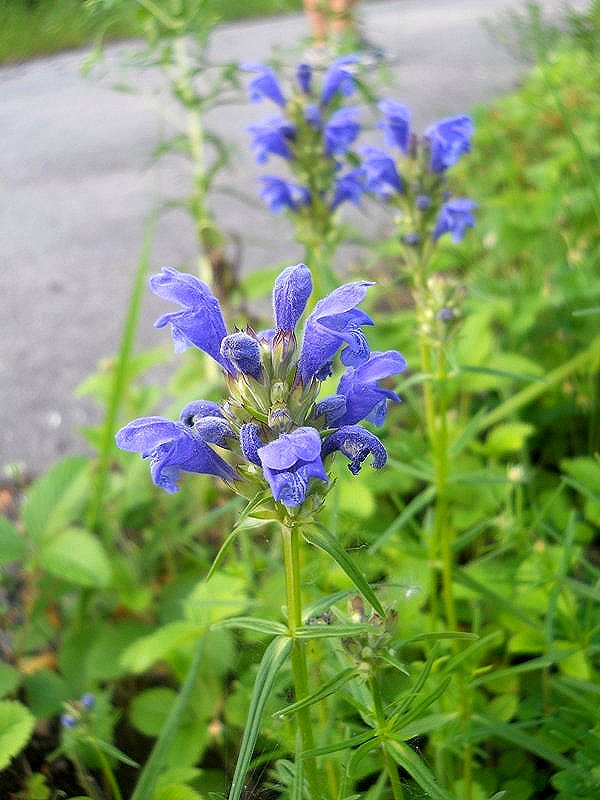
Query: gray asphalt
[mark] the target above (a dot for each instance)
(80, 183)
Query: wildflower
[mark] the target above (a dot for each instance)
(349, 188)
(290, 462)
(340, 131)
(272, 431)
(454, 218)
(338, 79)
(334, 322)
(271, 137)
(395, 124)
(381, 175)
(448, 139)
(364, 397)
(304, 77)
(265, 85)
(279, 194)
(356, 443)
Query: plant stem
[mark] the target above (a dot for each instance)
(390, 764)
(291, 566)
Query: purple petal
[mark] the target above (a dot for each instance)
(302, 444)
(356, 443)
(291, 291)
(250, 442)
(201, 322)
(243, 351)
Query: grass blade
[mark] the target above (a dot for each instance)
(275, 656)
(325, 541)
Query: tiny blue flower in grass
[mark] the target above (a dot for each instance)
(272, 432)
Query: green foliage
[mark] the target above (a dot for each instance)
(475, 682)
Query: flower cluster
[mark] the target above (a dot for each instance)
(419, 190)
(312, 132)
(272, 432)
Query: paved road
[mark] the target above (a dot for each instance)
(79, 186)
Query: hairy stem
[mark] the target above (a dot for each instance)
(291, 566)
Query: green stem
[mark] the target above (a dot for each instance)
(291, 566)
(147, 781)
(390, 765)
(119, 382)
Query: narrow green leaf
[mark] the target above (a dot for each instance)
(438, 636)
(405, 757)
(325, 541)
(327, 689)
(397, 721)
(500, 602)
(252, 624)
(236, 530)
(515, 735)
(325, 603)
(338, 747)
(332, 631)
(113, 751)
(418, 503)
(120, 379)
(153, 767)
(272, 661)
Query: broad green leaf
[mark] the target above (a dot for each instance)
(324, 540)
(149, 709)
(77, 556)
(16, 726)
(508, 437)
(222, 597)
(9, 678)
(12, 543)
(275, 656)
(146, 651)
(55, 499)
(176, 791)
(46, 692)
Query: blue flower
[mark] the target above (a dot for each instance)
(291, 291)
(454, 218)
(200, 323)
(395, 124)
(356, 443)
(448, 139)
(174, 446)
(349, 188)
(304, 77)
(365, 399)
(338, 78)
(381, 175)
(290, 462)
(312, 114)
(334, 322)
(279, 194)
(243, 351)
(341, 130)
(271, 137)
(265, 85)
